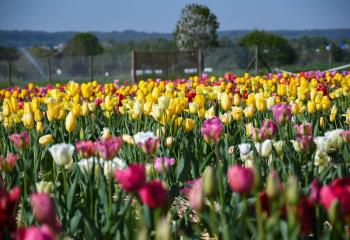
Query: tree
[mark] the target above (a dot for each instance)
(272, 47)
(9, 54)
(84, 44)
(44, 53)
(196, 28)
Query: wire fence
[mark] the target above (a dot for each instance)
(108, 66)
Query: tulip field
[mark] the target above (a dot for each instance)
(231, 157)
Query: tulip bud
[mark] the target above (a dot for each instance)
(28, 120)
(85, 109)
(236, 99)
(169, 142)
(39, 127)
(71, 122)
(225, 102)
(273, 185)
(311, 107)
(38, 116)
(46, 139)
(128, 139)
(44, 187)
(292, 193)
(322, 122)
(231, 150)
(193, 107)
(209, 181)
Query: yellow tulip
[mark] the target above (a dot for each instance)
(39, 127)
(237, 113)
(236, 99)
(193, 107)
(38, 116)
(188, 124)
(210, 113)
(71, 122)
(311, 106)
(322, 122)
(46, 140)
(28, 120)
(225, 102)
(128, 139)
(85, 109)
(169, 142)
(249, 112)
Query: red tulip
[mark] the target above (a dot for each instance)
(306, 213)
(131, 178)
(240, 179)
(154, 195)
(8, 205)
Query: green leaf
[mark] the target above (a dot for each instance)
(75, 220)
(71, 195)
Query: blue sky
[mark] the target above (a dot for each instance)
(161, 15)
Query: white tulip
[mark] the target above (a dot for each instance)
(264, 149)
(109, 167)
(62, 153)
(279, 146)
(322, 144)
(86, 165)
(296, 145)
(270, 102)
(244, 148)
(322, 159)
(142, 137)
(334, 138)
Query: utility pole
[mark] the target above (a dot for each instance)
(91, 68)
(133, 66)
(49, 69)
(330, 60)
(9, 72)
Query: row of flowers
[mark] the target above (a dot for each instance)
(234, 157)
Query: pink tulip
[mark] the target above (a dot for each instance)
(346, 136)
(86, 149)
(303, 129)
(147, 141)
(9, 162)
(195, 195)
(304, 136)
(35, 233)
(267, 131)
(131, 178)
(109, 147)
(338, 190)
(154, 195)
(281, 113)
(21, 140)
(212, 129)
(163, 163)
(240, 179)
(43, 207)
